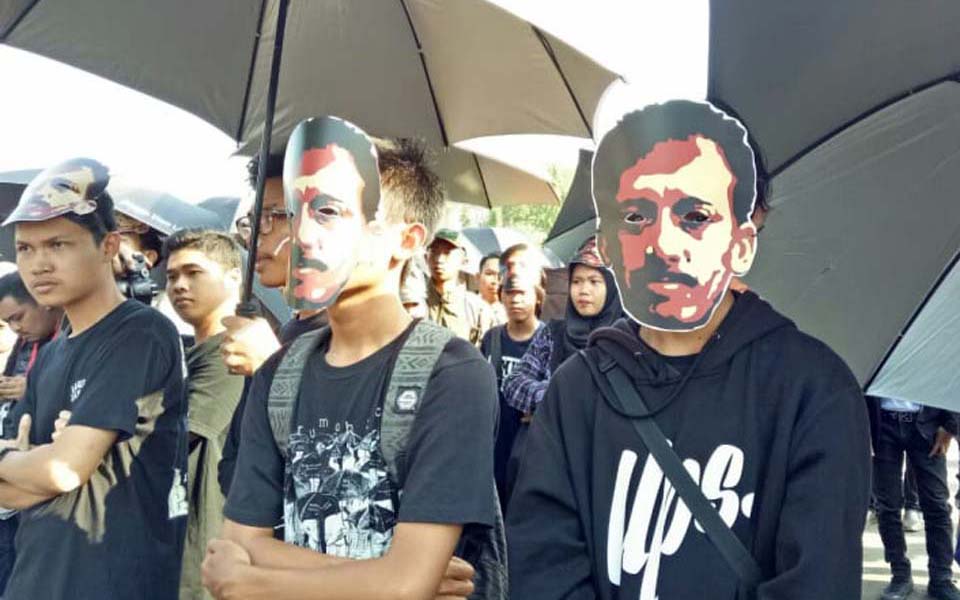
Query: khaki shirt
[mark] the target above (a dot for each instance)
(461, 311)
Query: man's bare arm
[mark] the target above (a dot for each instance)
(61, 466)
(12, 497)
(267, 551)
(411, 570)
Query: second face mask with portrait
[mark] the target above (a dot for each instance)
(331, 183)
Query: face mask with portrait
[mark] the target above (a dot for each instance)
(331, 187)
(674, 186)
(69, 187)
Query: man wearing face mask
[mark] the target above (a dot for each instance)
(312, 453)
(705, 428)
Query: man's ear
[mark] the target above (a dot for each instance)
(110, 246)
(234, 278)
(744, 249)
(151, 256)
(412, 238)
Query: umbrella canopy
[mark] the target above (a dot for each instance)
(443, 71)
(924, 367)
(797, 73)
(12, 184)
(864, 226)
(160, 210)
(225, 208)
(578, 218)
(481, 241)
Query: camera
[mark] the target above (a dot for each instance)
(136, 283)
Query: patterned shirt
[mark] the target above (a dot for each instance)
(524, 388)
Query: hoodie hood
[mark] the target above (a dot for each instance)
(749, 320)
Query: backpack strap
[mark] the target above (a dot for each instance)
(727, 543)
(496, 350)
(286, 384)
(408, 382)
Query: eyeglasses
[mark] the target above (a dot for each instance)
(267, 219)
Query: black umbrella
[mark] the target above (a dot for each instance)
(798, 73)
(12, 184)
(160, 210)
(578, 217)
(225, 208)
(863, 228)
(445, 71)
(854, 107)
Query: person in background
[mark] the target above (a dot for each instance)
(488, 278)
(34, 326)
(203, 284)
(593, 303)
(504, 346)
(449, 303)
(903, 429)
(8, 338)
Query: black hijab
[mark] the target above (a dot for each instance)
(578, 328)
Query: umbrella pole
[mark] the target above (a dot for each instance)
(247, 307)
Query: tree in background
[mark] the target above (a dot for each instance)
(533, 220)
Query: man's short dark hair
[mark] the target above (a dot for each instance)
(12, 286)
(638, 132)
(413, 192)
(483, 261)
(274, 168)
(215, 245)
(100, 222)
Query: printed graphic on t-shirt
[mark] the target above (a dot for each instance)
(338, 498)
(507, 365)
(639, 537)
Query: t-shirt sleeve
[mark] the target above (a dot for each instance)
(118, 376)
(212, 395)
(24, 406)
(449, 475)
(256, 492)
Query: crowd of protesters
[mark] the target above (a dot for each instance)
(185, 451)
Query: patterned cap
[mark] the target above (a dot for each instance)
(70, 187)
(587, 254)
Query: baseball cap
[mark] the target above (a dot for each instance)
(74, 186)
(451, 236)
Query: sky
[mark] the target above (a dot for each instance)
(50, 112)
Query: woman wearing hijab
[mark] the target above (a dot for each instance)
(593, 303)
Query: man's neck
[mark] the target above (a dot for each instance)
(86, 312)
(363, 323)
(212, 324)
(490, 299)
(522, 331)
(445, 286)
(685, 343)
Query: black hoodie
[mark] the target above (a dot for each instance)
(771, 423)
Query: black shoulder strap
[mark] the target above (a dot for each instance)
(726, 542)
(496, 349)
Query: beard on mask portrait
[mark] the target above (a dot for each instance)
(674, 185)
(331, 186)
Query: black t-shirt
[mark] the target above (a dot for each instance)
(509, 423)
(332, 491)
(119, 535)
(290, 331)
